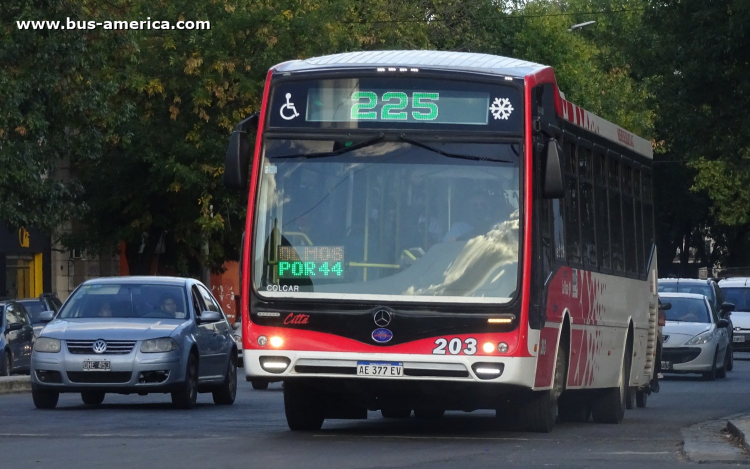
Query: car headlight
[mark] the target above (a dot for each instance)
(47, 345)
(165, 344)
(702, 338)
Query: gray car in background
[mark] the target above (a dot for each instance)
(136, 335)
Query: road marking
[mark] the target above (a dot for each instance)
(647, 453)
(402, 437)
(39, 435)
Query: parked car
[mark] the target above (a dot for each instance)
(16, 338)
(136, 335)
(695, 338)
(710, 289)
(737, 291)
(36, 306)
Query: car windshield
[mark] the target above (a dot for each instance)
(675, 287)
(126, 300)
(740, 297)
(34, 308)
(407, 220)
(687, 310)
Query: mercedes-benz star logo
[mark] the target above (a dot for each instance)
(382, 318)
(99, 346)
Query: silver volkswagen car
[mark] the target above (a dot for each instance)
(136, 335)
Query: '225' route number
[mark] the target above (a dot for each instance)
(455, 346)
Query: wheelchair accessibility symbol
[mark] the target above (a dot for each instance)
(288, 111)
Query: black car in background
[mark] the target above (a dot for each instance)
(36, 306)
(16, 339)
(710, 289)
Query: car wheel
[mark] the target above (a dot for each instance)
(259, 384)
(730, 362)
(722, 372)
(226, 394)
(92, 397)
(44, 399)
(187, 395)
(711, 375)
(7, 364)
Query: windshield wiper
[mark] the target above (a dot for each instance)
(328, 154)
(417, 143)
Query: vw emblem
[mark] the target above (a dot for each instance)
(99, 346)
(382, 318)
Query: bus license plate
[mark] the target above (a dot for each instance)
(91, 365)
(384, 369)
(738, 338)
(665, 366)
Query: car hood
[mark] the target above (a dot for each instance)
(741, 319)
(110, 329)
(681, 332)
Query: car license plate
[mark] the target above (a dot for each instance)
(738, 338)
(666, 366)
(384, 369)
(91, 365)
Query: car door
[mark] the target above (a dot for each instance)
(723, 341)
(14, 335)
(217, 352)
(27, 336)
(204, 337)
(222, 329)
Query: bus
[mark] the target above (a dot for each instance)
(432, 231)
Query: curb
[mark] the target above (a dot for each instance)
(14, 384)
(735, 430)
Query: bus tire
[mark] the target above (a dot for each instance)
(539, 413)
(303, 413)
(609, 406)
(395, 413)
(429, 413)
(641, 399)
(573, 408)
(630, 398)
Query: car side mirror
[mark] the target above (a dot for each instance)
(237, 158)
(209, 317)
(727, 307)
(665, 306)
(723, 323)
(553, 186)
(46, 316)
(14, 326)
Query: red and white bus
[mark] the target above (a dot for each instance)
(433, 231)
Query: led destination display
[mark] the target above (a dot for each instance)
(311, 261)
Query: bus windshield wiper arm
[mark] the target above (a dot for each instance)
(328, 154)
(417, 143)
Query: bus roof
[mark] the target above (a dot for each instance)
(434, 60)
(476, 63)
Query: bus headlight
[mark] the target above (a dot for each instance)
(502, 347)
(488, 347)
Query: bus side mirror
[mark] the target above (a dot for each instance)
(238, 154)
(552, 182)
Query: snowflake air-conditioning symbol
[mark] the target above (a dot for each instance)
(501, 108)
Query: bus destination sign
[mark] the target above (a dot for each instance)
(398, 103)
(311, 261)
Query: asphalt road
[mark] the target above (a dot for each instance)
(134, 431)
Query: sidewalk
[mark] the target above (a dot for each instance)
(11, 384)
(740, 427)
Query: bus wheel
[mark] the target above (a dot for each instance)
(395, 413)
(630, 398)
(429, 413)
(539, 412)
(641, 398)
(573, 408)
(609, 406)
(302, 411)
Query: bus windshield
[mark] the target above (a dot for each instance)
(406, 221)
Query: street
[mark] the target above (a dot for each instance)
(135, 431)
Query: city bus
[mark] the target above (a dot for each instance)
(432, 231)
